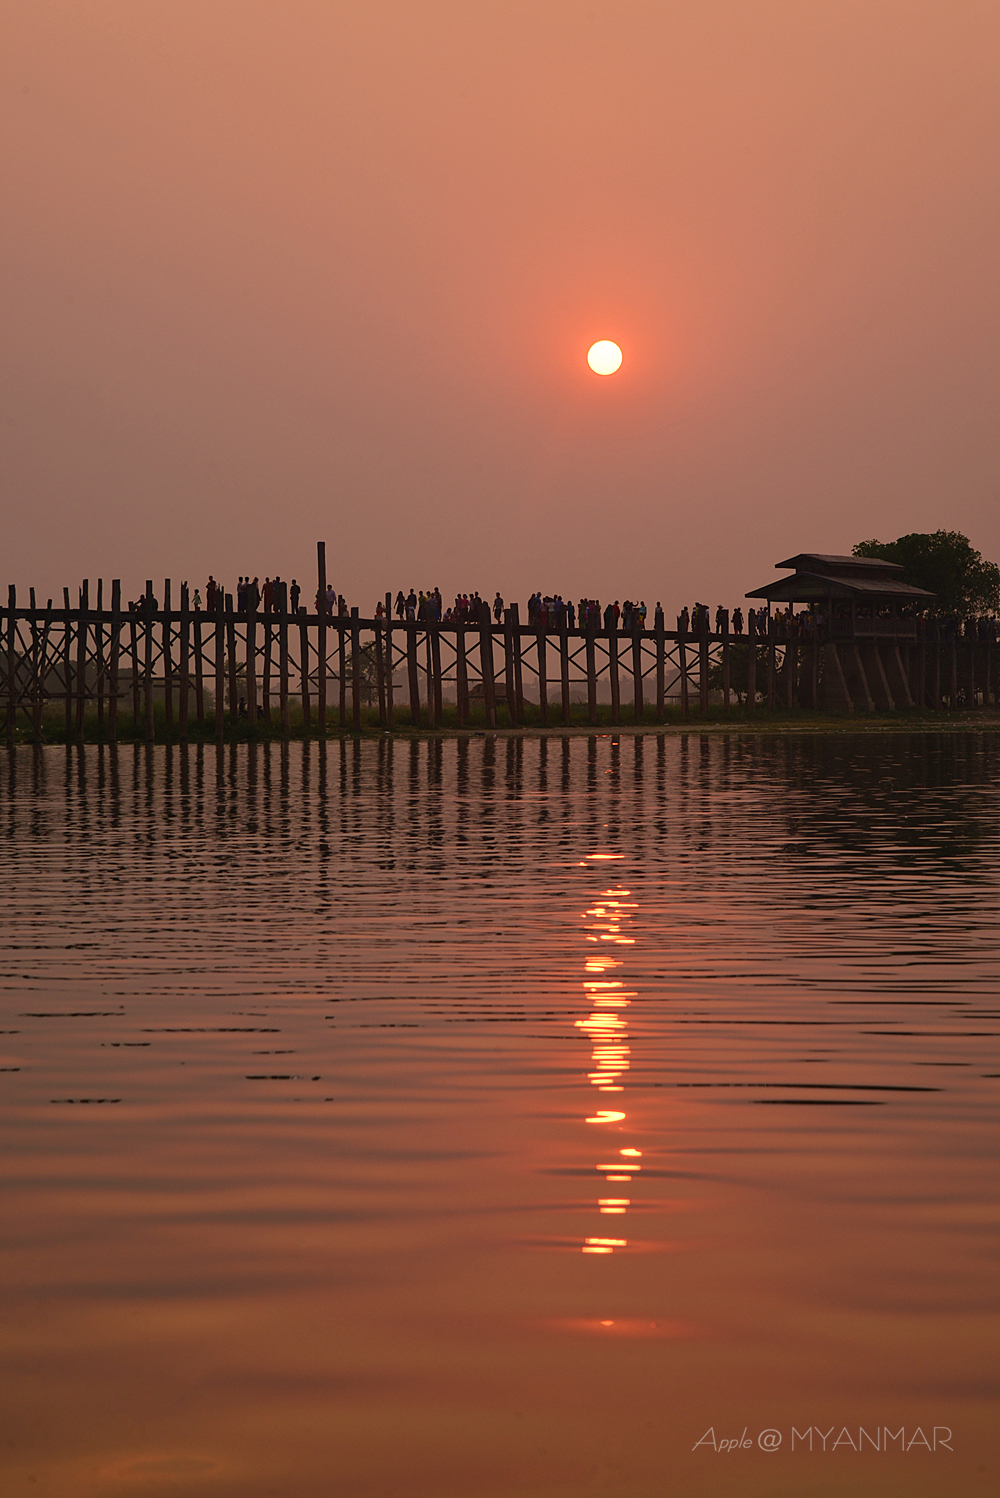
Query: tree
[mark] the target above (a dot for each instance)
(947, 564)
(739, 674)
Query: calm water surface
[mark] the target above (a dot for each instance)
(500, 1117)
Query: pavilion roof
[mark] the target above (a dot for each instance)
(818, 575)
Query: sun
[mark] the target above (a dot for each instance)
(604, 357)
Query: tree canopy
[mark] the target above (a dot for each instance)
(947, 564)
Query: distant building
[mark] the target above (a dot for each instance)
(865, 622)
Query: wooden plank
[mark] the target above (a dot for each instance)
(147, 668)
(184, 666)
(114, 659)
(616, 704)
(564, 671)
(321, 635)
(82, 632)
(356, 671)
(390, 665)
(166, 652)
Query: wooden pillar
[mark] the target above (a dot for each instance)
(752, 661)
(543, 685)
(936, 669)
(147, 667)
(185, 661)
(726, 663)
(429, 677)
(267, 619)
(508, 666)
(616, 713)
(304, 666)
(99, 656)
(682, 665)
(133, 640)
(380, 673)
(411, 670)
(435, 635)
(987, 684)
(591, 674)
(68, 666)
(114, 650)
(486, 665)
(972, 672)
(791, 667)
(356, 670)
(321, 635)
(461, 677)
(953, 672)
(11, 662)
(518, 682)
(660, 633)
(82, 631)
(639, 707)
(389, 704)
(250, 657)
(564, 670)
(286, 720)
(166, 652)
(234, 699)
(342, 671)
(220, 669)
(772, 663)
(199, 672)
(39, 670)
(703, 664)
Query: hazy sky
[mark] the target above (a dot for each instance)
(274, 272)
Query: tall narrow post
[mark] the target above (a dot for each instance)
(11, 662)
(518, 683)
(185, 662)
(461, 676)
(304, 667)
(68, 665)
(82, 631)
(199, 664)
(726, 661)
(564, 670)
(486, 665)
(321, 635)
(510, 686)
(286, 720)
(265, 699)
(639, 705)
(167, 652)
(703, 663)
(133, 641)
(953, 671)
(751, 660)
(660, 635)
(616, 703)
(115, 654)
(411, 672)
(147, 671)
(429, 676)
(234, 700)
(591, 674)
(682, 664)
(355, 671)
(99, 683)
(435, 632)
(341, 671)
(380, 673)
(543, 685)
(250, 611)
(220, 669)
(389, 664)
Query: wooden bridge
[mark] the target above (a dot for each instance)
(89, 659)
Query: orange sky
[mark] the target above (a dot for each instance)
(274, 272)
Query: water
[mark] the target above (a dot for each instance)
(501, 1116)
